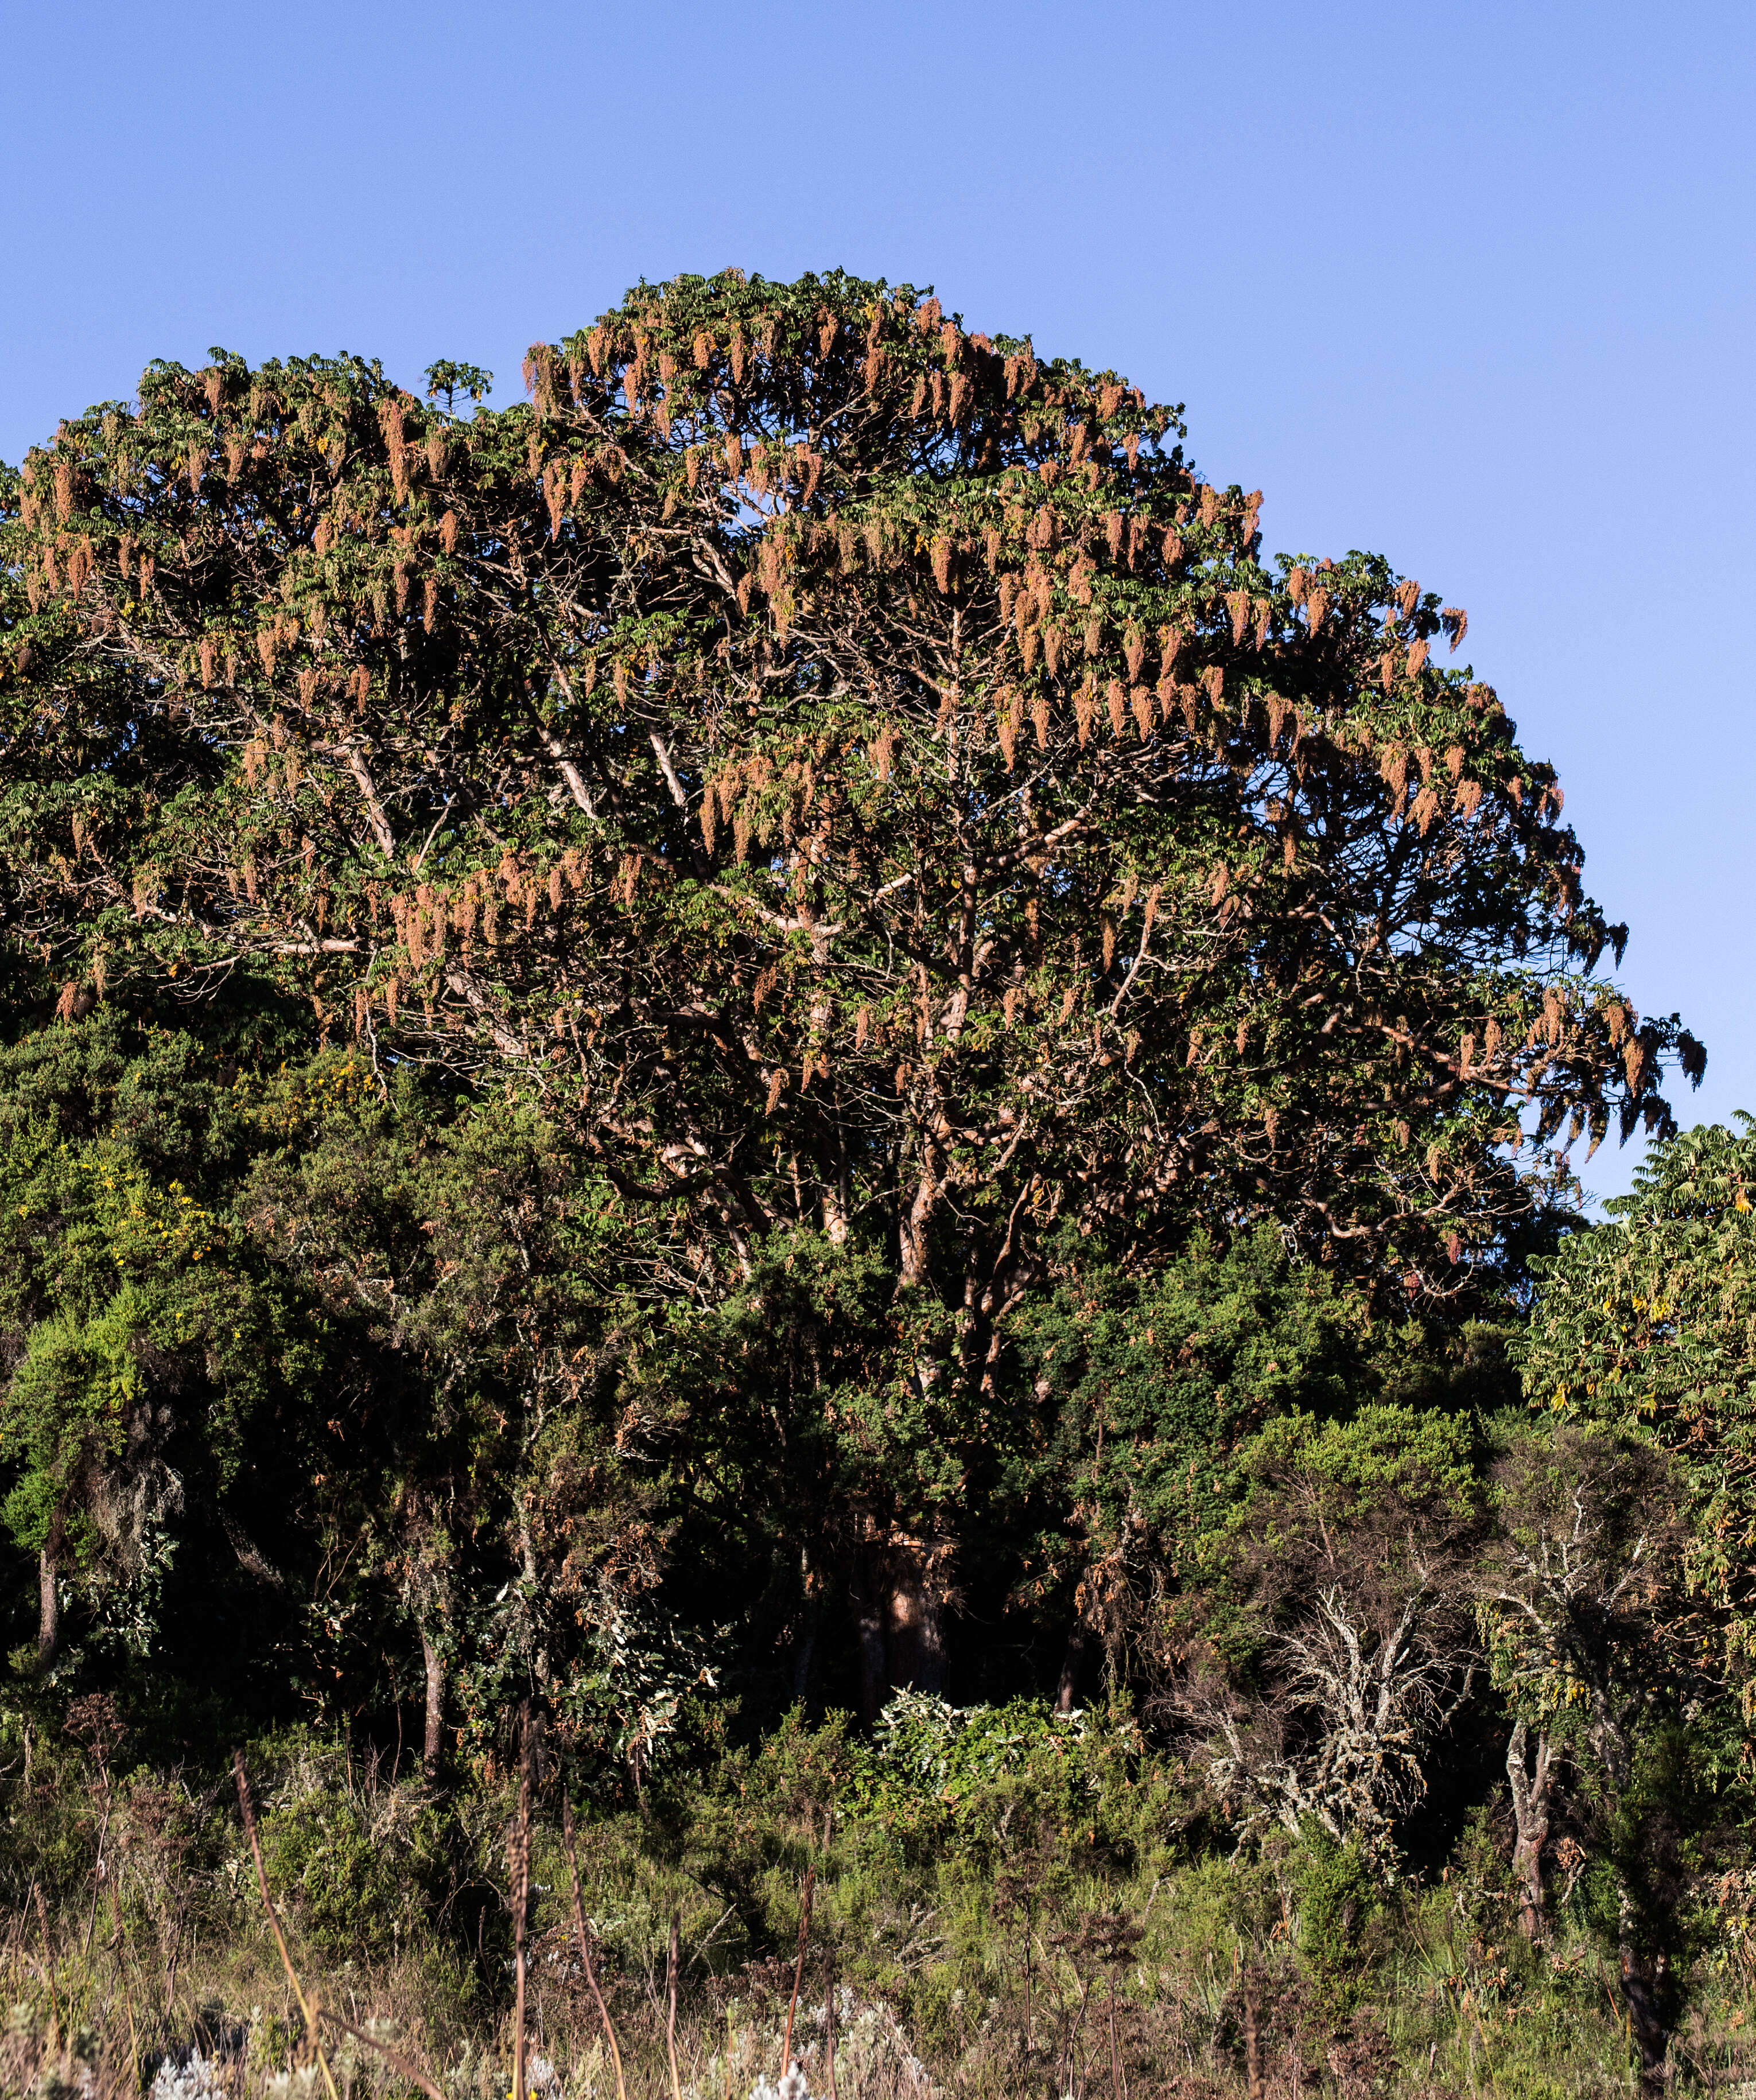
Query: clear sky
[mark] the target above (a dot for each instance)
(1469, 285)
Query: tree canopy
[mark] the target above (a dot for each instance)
(838, 761)
(742, 929)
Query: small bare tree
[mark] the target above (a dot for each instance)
(1344, 1645)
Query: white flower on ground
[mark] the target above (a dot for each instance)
(794, 2086)
(300, 2084)
(194, 2078)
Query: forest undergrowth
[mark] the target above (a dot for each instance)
(1068, 1922)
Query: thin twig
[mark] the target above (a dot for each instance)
(97, 1872)
(176, 1951)
(268, 1905)
(798, 1971)
(672, 1964)
(584, 1946)
(48, 1955)
(1252, 2041)
(829, 1991)
(122, 1971)
(1119, 2085)
(396, 2060)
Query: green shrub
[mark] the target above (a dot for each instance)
(1338, 1894)
(974, 1781)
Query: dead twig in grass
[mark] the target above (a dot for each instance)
(584, 1946)
(396, 2060)
(48, 1955)
(121, 1972)
(97, 1872)
(798, 1971)
(673, 1962)
(268, 1904)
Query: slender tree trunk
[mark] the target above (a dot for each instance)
(433, 1738)
(49, 1615)
(912, 1225)
(811, 1583)
(801, 1668)
(1078, 1641)
(1531, 1787)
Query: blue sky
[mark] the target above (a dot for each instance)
(1471, 285)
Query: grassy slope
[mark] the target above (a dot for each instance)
(1068, 1924)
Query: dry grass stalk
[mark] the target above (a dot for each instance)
(798, 1968)
(520, 1863)
(1117, 2084)
(98, 1868)
(286, 1960)
(584, 1939)
(121, 1978)
(48, 1954)
(672, 1966)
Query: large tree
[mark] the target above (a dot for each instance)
(859, 775)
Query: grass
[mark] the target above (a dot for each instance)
(1041, 1942)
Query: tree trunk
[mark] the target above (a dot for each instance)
(867, 1600)
(898, 1594)
(801, 1668)
(1530, 1809)
(1641, 1984)
(49, 1603)
(913, 1246)
(433, 1738)
(804, 1639)
(917, 1617)
(1078, 1641)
